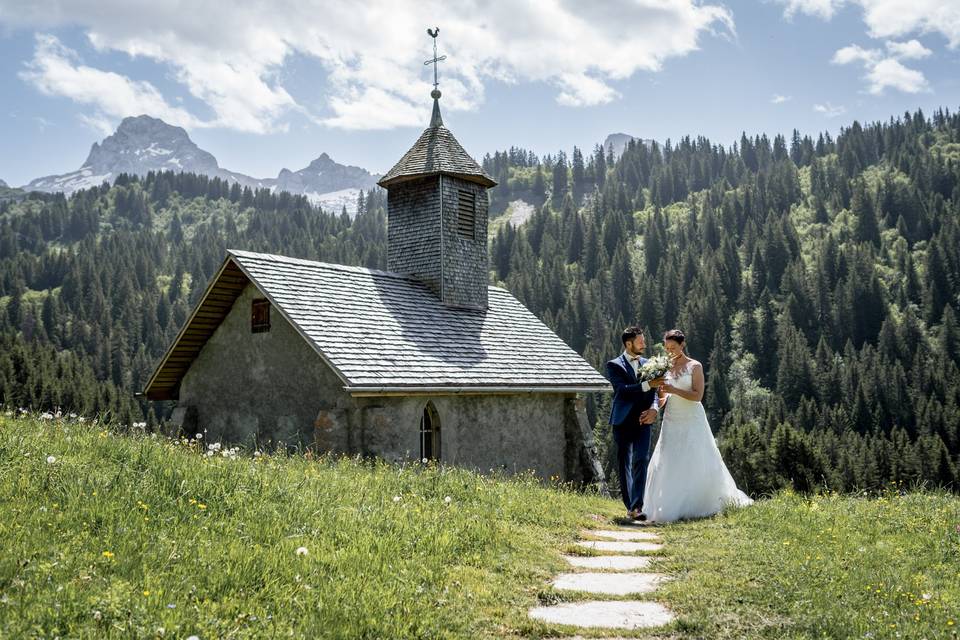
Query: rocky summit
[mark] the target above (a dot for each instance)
(143, 144)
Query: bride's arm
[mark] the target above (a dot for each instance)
(696, 393)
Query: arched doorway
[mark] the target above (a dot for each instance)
(430, 433)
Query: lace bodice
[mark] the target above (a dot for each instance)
(683, 379)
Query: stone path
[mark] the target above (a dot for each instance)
(610, 575)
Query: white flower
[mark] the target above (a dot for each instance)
(46, 415)
(97, 615)
(161, 631)
(302, 551)
(81, 419)
(448, 499)
(926, 596)
(424, 461)
(171, 606)
(193, 638)
(396, 498)
(51, 459)
(199, 436)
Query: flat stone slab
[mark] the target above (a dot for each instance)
(622, 546)
(614, 584)
(615, 563)
(621, 535)
(629, 614)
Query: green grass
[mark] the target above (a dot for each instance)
(822, 566)
(123, 535)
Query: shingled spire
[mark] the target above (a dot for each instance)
(437, 213)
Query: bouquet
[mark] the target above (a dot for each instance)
(655, 367)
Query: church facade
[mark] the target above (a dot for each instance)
(422, 361)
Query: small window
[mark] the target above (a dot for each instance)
(467, 214)
(260, 316)
(429, 433)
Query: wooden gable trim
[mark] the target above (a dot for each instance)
(214, 305)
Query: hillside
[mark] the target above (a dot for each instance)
(816, 277)
(120, 536)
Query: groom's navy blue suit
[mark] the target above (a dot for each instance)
(631, 437)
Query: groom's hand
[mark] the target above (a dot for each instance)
(656, 382)
(648, 417)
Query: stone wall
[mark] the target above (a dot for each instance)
(262, 388)
(511, 433)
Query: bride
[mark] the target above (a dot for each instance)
(686, 477)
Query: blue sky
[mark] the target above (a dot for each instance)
(267, 87)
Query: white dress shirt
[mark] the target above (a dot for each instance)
(635, 363)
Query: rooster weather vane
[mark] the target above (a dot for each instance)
(435, 62)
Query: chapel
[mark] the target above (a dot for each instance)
(423, 361)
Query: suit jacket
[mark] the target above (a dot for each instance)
(629, 398)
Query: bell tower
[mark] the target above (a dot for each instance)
(437, 212)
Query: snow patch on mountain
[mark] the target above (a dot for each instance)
(143, 144)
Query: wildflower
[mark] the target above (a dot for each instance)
(424, 461)
(107, 554)
(199, 436)
(193, 638)
(51, 459)
(171, 606)
(46, 415)
(146, 593)
(302, 551)
(97, 615)
(201, 506)
(161, 631)
(448, 500)
(396, 498)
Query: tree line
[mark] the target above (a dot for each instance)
(817, 280)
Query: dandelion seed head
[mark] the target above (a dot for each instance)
(302, 551)
(51, 459)
(448, 499)
(396, 498)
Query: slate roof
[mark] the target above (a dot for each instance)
(435, 152)
(381, 332)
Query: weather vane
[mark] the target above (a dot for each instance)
(435, 61)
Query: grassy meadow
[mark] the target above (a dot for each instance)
(132, 536)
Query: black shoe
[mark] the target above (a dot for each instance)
(641, 516)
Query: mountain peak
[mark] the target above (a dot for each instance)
(143, 143)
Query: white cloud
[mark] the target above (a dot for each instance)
(890, 18)
(820, 8)
(829, 110)
(779, 99)
(891, 73)
(855, 53)
(233, 55)
(910, 50)
(55, 70)
(884, 69)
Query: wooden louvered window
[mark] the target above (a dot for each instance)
(260, 316)
(467, 214)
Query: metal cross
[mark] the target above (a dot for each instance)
(433, 34)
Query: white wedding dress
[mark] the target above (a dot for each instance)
(687, 477)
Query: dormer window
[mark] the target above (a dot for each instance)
(260, 316)
(467, 214)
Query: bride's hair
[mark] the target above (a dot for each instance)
(676, 335)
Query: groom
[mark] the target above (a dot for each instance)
(634, 409)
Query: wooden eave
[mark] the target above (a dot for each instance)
(217, 300)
